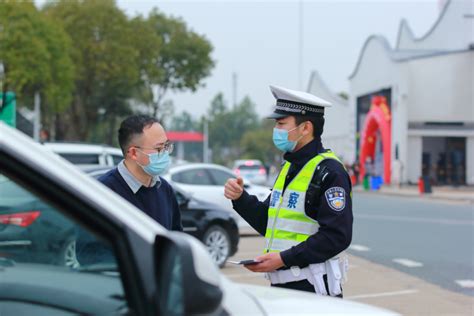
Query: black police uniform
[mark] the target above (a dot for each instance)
(335, 231)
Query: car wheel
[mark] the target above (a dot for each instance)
(217, 242)
(69, 255)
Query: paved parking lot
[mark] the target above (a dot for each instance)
(371, 283)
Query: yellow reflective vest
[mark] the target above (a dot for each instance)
(288, 224)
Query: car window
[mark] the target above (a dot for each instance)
(220, 177)
(117, 159)
(193, 176)
(38, 243)
(252, 167)
(81, 159)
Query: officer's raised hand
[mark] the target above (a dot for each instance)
(233, 188)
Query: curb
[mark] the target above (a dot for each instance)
(428, 196)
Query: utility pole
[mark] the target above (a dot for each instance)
(37, 119)
(234, 89)
(300, 52)
(205, 149)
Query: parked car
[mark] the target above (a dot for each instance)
(252, 169)
(87, 154)
(31, 230)
(206, 182)
(206, 221)
(214, 227)
(151, 271)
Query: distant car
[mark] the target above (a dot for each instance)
(206, 182)
(252, 169)
(87, 154)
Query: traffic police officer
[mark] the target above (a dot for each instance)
(307, 219)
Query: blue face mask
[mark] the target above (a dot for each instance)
(158, 163)
(280, 139)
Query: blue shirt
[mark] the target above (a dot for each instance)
(158, 200)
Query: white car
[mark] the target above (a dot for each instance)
(252, 169)
(87, 154)
(129, 264)
(206, 182)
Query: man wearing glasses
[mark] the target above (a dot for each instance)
(146, 151)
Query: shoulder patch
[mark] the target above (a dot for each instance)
(336, 198)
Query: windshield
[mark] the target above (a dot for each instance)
(37, 240)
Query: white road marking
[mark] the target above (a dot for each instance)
(248, 274)
(359, 248)
(465, 283)
(410, 219)
(408, 263)
(249, 254)
(395, 293)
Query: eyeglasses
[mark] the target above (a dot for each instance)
(167, 147)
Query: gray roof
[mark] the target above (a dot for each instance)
(401, 55)
(398, 55)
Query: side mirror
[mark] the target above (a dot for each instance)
(187, 279)
(181, 199)
(183, 204)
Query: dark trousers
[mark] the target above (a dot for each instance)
(304, 285)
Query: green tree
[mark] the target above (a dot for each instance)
(184, 122)
(35, 52)
(244, 118)
(226, 127)
(182, 62)
(220, 129)
(258, 144)
(106, 62)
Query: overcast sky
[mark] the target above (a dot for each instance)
(259, 41)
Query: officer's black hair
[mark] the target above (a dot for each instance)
(317, 121)
(132, 126)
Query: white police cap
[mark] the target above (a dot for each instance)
(292, 102)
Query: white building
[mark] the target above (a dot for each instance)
(428, 83)
(338, 121)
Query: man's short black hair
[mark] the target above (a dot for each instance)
(132, 126)
(317, 121)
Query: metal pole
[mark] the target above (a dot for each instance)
(205, 150)
(300, 36)
(180, 153)
(234, 89)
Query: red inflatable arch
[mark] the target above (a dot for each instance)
(378, 118)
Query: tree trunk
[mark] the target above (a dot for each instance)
(78, 126)
(112, 134)
(59, 126)
(161, 91)
(4, 87)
